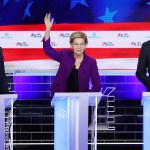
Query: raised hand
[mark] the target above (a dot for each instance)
(48, 25)
(48, 22)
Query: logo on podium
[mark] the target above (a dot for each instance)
(61, 113)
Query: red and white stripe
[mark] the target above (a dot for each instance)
(114, 45)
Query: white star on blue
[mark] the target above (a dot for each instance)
(6, 1)
(148, 3)
(75, 2)
(108, 17)
(54, 20)
(27, 10)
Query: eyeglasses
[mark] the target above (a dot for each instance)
(79, 45)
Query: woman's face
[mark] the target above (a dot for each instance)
(78, 45)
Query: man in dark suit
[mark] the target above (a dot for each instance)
(3, 81)
(143, 66)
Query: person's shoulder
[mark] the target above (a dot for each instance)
(0, 49)
(146, 46)
(1, 53)
(90, 58)
(146, 43)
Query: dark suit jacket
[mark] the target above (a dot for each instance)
(3, 81)
(143, 66)
(87, 71)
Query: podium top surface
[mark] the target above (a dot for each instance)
(78, 94)
(145, 93)
(7, 99)
(8, 96)
(90, 96)
(145, 97)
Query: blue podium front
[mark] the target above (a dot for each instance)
(6, 121)
(146, 120)
(61, 115)
(71, 119)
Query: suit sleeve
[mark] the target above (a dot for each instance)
(2, 70)
(51, 52)
(3, 81)
(95, 78)
(143, 66)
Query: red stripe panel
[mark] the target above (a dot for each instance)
(113, 52)
(84, 27)
(38, 54)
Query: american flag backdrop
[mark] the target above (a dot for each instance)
(115, 29)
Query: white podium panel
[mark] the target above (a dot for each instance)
(146, 120)
(71, 120)
(6, 122)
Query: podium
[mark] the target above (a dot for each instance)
(71, 120)
(146, 120)
(6, 121)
